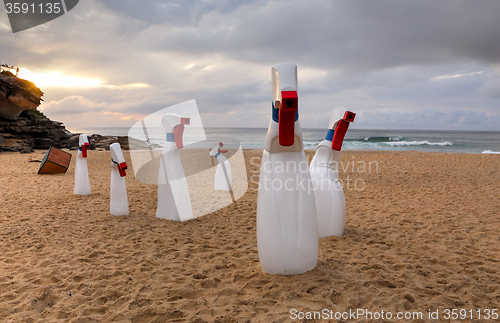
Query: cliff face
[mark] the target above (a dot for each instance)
(17, 95)
(21, 125)
(31, 130)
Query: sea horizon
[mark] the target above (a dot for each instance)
(356, 139)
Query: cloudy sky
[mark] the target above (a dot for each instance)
(400, 64)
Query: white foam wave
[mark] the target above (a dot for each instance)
(490, 152)
(418, 143)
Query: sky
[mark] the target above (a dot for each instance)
(399, 64)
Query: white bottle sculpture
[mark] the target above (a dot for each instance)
(221, 182)
(82, 182)
(287, 231)
(118, 191)
(329, 196)
(174, 202)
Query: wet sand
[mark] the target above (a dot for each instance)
(422, 233)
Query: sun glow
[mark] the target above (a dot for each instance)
(124, 86)
(57, 79)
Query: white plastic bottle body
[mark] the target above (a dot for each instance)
(287, 231)
(118, 193)
(220, 179)
(174, 201)
(82, 181)
(328, 193)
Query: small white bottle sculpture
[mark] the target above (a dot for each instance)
(287, 231)
(329, 196)
(221, 182)
(174, 202)
(118, 191)
(82, 182)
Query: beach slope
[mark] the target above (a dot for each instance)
(422, 233)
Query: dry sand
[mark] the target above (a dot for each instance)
(423, 234)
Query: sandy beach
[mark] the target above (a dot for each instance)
(422, 234)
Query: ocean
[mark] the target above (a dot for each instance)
(475, 142)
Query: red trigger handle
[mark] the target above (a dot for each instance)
(341, 129)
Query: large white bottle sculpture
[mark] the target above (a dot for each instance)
(82, 182)
(174, 202)
(221, 182)
(329, 196)
(118, 191)
(287, 231)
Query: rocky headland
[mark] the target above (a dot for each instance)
(17, 95)
(24, 128)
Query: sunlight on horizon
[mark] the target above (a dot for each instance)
(57, 79)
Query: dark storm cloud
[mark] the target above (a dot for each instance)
(388, 60)
(352, 35)
(178, 13)
(348, 35)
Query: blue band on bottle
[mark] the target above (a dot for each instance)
(113, 161)
(217, 155)
(329, 134)
(276, 114)
(80, 148)
(170, 136)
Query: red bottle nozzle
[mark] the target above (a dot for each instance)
(178, 132)
(288, 109)
(121, 168)
(84, 150)
(349, 116)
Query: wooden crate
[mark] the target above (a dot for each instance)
(55, 161)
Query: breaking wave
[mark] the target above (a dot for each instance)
(418, 143)
(376, 139)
